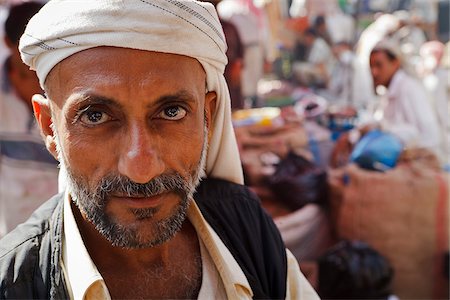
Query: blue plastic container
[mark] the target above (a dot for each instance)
(377, 151)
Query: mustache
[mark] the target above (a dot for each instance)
(119, 185)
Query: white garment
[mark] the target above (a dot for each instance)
(212, 285)
(437, 85)
(191, 28)
(306, 232)
(320, 53)
(253, 68)
(408, 113)
(28, 173)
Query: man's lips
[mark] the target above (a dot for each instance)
(140, 201)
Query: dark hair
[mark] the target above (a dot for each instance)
(320, 20)
(354, 270)
(390, 55)
(18, 18)
(310, 31)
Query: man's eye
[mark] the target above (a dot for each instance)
(94, 117)
(173, 113)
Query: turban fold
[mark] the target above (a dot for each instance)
(185, 27)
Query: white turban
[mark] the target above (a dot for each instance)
(190, 28)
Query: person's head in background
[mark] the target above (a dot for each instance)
(23, 81)
(384, 63)
(354, 270)
(319, 23)
(320, 26)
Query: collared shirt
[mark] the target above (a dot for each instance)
(409, 114)
(84, 281)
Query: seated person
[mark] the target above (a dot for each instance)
(407, 112)
(28, 173)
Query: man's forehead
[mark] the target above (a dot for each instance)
(114, 67)
(378, 54)
(104, 54)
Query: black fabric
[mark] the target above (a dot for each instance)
(30, 254)
(299, 182)
(235, 214)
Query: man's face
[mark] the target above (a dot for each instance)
(132, 134)
(23, 79)
(382, 68)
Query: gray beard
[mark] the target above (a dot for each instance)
(92, 203)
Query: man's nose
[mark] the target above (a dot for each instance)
(140, 159)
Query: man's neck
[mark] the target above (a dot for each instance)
(172, 269)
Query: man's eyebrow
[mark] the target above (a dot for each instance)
(182, 95)
(92, 99)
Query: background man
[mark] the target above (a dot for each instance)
(28, 173)
(408, 113)
(319, 61)
(129, 116)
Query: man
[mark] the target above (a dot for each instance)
(233, 70)
(408, 113)
(28, 173)
(137, 111)
(319, 61)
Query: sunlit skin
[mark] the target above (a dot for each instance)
(138, 114)
(382, 68)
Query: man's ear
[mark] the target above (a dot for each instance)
(210, 106)
(210, 109)
(42, 113)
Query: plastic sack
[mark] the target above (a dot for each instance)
(377, 151)
(298, 182)
(354, 270)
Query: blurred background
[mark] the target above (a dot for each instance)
(341, 112)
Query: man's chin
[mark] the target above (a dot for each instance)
(138, 235)
(145, 229)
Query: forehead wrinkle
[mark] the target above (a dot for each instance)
(193, 70)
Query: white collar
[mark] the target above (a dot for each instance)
(81, 272)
